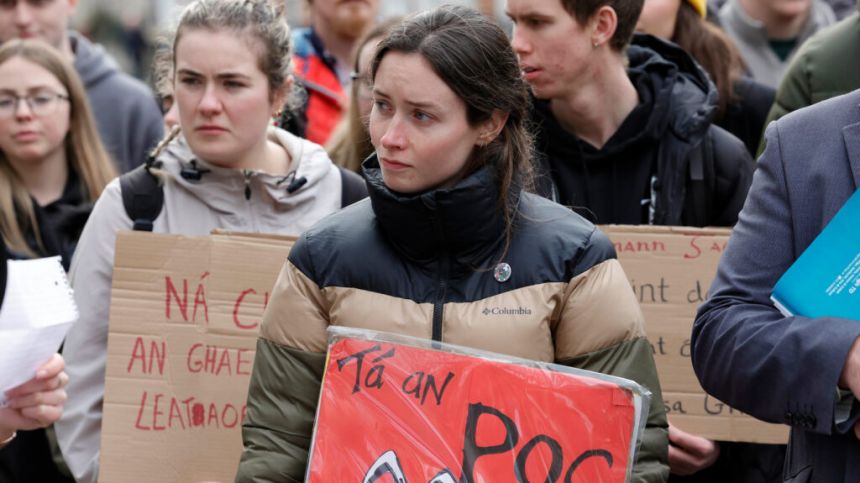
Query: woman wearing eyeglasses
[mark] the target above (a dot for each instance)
(52, 163)
(52, 167)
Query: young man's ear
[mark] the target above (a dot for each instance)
(602, 26)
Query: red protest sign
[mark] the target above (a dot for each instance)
(391, 412)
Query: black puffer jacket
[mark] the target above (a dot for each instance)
(687, 171)
(415, 265)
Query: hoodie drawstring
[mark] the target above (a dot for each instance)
(247, 175)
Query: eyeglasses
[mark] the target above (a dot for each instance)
(363, 84)
(41, 104)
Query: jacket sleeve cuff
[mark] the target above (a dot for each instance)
(846, 411)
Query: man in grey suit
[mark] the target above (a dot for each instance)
(794, 370)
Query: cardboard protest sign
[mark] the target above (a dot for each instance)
(670, 270)
(184, 318)
(183, 328)
(428, 413)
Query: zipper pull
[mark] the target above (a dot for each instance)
(247, 184)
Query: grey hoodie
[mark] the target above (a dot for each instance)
(128, 118)
(750, 37)
(217, 200)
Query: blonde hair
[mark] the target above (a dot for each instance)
(85, 153)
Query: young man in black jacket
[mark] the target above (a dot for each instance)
(624, 131)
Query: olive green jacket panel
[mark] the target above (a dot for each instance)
(279, 419)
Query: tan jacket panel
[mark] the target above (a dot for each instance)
(600, 310)
(363, 309)
(297, 314)
(515, 323)
(546, 322)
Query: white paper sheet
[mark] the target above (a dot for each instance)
(38, 309)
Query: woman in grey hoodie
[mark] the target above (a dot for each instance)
(225, 167)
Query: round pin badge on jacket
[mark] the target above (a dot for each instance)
(502, 273)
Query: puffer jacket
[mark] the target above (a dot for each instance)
(250, 201)
(413, 265)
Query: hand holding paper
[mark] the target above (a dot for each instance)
(37, 311)
(36, 403)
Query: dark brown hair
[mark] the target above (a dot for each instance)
(627, 11)
(473, 56)
(712, 49)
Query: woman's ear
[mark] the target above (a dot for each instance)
(491, 128)
(281, 95)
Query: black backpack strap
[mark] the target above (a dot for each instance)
(701, 170)
(352, 187)
(142, 197)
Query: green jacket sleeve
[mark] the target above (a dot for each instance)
(282, 402)
(285, 382)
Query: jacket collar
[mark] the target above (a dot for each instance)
(225, 190)
(685, 99)
(463, 222)
(851, 137)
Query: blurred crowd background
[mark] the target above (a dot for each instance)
(129, 28)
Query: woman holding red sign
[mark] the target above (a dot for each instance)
(449, 247)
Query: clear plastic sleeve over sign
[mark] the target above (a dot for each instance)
(406, 410)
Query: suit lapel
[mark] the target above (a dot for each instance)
(851, 136)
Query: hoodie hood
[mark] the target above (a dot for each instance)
(228, 190)
(685, 100)
(620, 181)
(92, 62)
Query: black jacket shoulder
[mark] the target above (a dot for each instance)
(746, 117)
(550, 244)
(733, 169)
(558, 232)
